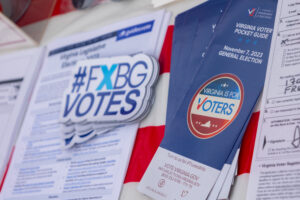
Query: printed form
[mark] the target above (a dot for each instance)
(17, 78)
(41, 168)
(275, 170)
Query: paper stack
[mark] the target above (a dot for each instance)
(219, 59)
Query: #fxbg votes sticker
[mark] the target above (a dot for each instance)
(107, 93)
(215, 105)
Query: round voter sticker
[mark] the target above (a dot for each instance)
(215, 105)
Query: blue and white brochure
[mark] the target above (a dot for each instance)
(209, 121)
(192, 33)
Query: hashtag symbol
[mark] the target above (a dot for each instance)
(79, 77)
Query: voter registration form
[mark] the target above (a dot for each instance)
(275, 170)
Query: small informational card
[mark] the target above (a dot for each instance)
(212, 115)
(275, 169)
(12, 37)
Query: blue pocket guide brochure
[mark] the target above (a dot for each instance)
(203, 131)
(192, 33)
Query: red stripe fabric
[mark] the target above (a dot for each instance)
(166, 51)
(62, 7)
(7, 167)
(146, 144)
(149, 138)
(247, 146)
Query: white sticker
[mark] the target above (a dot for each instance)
(107, 93)
(114, 89)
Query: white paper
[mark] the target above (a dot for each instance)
(219, 184)
(18, 72)
(175, 172)
(229, 181)
(41, 168)
(12, 37)
(223, 179)
(275, 170)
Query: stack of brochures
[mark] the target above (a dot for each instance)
(40, 168)
(219, 60)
